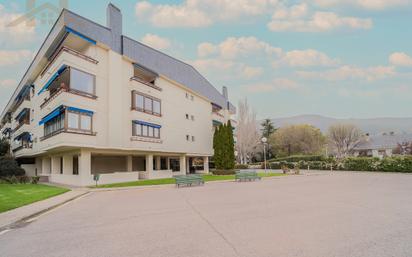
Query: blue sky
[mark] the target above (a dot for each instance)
(339, 58)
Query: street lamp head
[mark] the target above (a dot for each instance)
(264, 139)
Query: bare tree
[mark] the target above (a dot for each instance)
(343, 138)
(247, 132)
(297, 139)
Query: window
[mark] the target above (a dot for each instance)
(54, 125)
(146, 104)
(187, 116)
(187, 95)
(140, 102)
(82, 81)
(73, 120)
(79, 121)
(193, 138)
(156, 107)
(61, 165)
(144, 130)
(75, 165)
(85, 122)
(192, 117)
(187, 137)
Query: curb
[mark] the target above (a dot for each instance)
(27, 219)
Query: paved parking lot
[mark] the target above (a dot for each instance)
(340, 214)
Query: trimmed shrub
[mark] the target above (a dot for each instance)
(35, 179)
(241, 166)
(297, 158)
(223, 172)
(361, 163)
(9, 167)
(398, 164)
(23, 179)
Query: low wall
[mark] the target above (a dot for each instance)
(156, 174)
(72, 180)
(117, 177)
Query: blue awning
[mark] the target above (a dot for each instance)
(74, 109)
(6, 131)
(23, 136)
(80, 35)
(22, 113)
(146, 124)
(52, 115)
(53, 78)
(23, 92)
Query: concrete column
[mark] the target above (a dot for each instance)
(85, 167)
(39, 165)
(55, 164)
(182, 164)
(206, 164)
(149, 163)
(168, 163)
(68, 164)
(129, 163)
(158, 163)
(46, 165)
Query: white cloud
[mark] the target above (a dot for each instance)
(156, 41)
(227, 68)
(294, 12)
(12, 57)
(304, 58)
(198, 13)
(366, 4)
(318, 22)
(400, 59)
(18, 33)
(275, 85)
(233, 48)
(350, 73)
(206, 49)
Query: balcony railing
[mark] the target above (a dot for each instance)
(21, 124)
(67, 130)
(70, 51)
(146, 83)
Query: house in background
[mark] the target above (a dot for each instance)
(383, 145)
(94, 101)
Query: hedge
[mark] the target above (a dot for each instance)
(389, 164)
(297, 158)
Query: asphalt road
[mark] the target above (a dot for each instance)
(344, 214)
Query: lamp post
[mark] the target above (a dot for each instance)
(264, 140)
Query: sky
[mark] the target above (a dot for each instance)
(338, 58)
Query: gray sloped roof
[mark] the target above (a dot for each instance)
(175, 69)
(384, 141)
(159, 62)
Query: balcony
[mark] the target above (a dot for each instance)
(145, 76)
(21, 128)
(23, 105)
(70, 80)
(22, 141)
(66, 50)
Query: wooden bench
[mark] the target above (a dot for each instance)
(246, 176)
(189, 180)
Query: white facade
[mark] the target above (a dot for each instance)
(98, 125)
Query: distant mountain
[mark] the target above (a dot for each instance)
(372, 126)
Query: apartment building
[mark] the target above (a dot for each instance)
(94, 101)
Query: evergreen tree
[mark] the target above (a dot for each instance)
(230, 147)
(223, 145)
